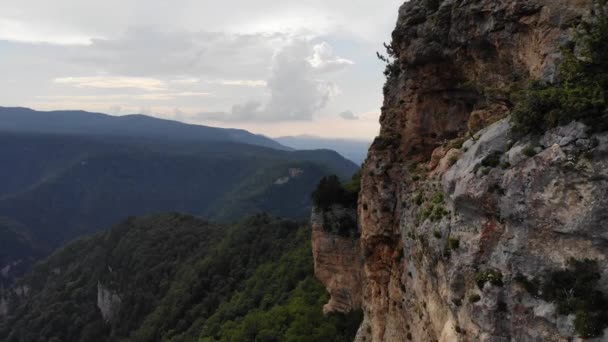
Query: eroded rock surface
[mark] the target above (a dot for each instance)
(457, 215)
(108, 302)
(337, 258)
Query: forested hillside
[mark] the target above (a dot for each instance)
(17, 251)
(178, 278)
(54, 188)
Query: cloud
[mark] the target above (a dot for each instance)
(324, 59)
(113, 82)
(369, 19)
(185, 81)
(162, 96)
(192, 55)
(115, 110)
(20, 31)
(210, 116)
(247, 111)
(348, 115)
(295, 92)
(240, 83)
(247, 68)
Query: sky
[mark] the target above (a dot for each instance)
(274, 67)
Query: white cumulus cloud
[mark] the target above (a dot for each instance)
(324, 59)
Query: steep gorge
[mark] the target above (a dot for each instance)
(468, 232)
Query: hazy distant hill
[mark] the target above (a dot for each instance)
(355, 150)
(133, 126)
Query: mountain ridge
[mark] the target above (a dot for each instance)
(21, 119)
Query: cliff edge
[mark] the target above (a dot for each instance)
(468, 231)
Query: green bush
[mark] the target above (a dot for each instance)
(438, 198)
(438, 213)
(492, 160)
(496, 189)
(385, 143)
(531, 286)
(590, 324)
(575, 291)
(418, 198)
(494, 277)
(529, 151)
(579, 95)
(330, 191)
(474, 298)
(457, 143)
(453, 243)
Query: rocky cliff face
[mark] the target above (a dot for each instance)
(467, 233)
(337, 257)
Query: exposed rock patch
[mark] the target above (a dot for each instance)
(337, 258)
(108, 302)
(3, 307)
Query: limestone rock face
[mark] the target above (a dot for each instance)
(449, 197)
(337, 258)
(108, 302)
(3, 307)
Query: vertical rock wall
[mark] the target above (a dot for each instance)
(458, 219)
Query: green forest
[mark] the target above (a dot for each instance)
(180, 278)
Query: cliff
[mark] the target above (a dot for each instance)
(469, 232)
(338, 262)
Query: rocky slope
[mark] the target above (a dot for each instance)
(469, 233)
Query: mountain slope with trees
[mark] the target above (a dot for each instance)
(179, 278)
(58, 187)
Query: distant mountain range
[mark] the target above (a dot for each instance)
(355, 150)
(132, 126)
(61, 180)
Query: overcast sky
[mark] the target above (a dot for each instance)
(276, 67)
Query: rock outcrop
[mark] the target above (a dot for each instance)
(463, 225)
(108, 302)
(337, 258)
(3, 307)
